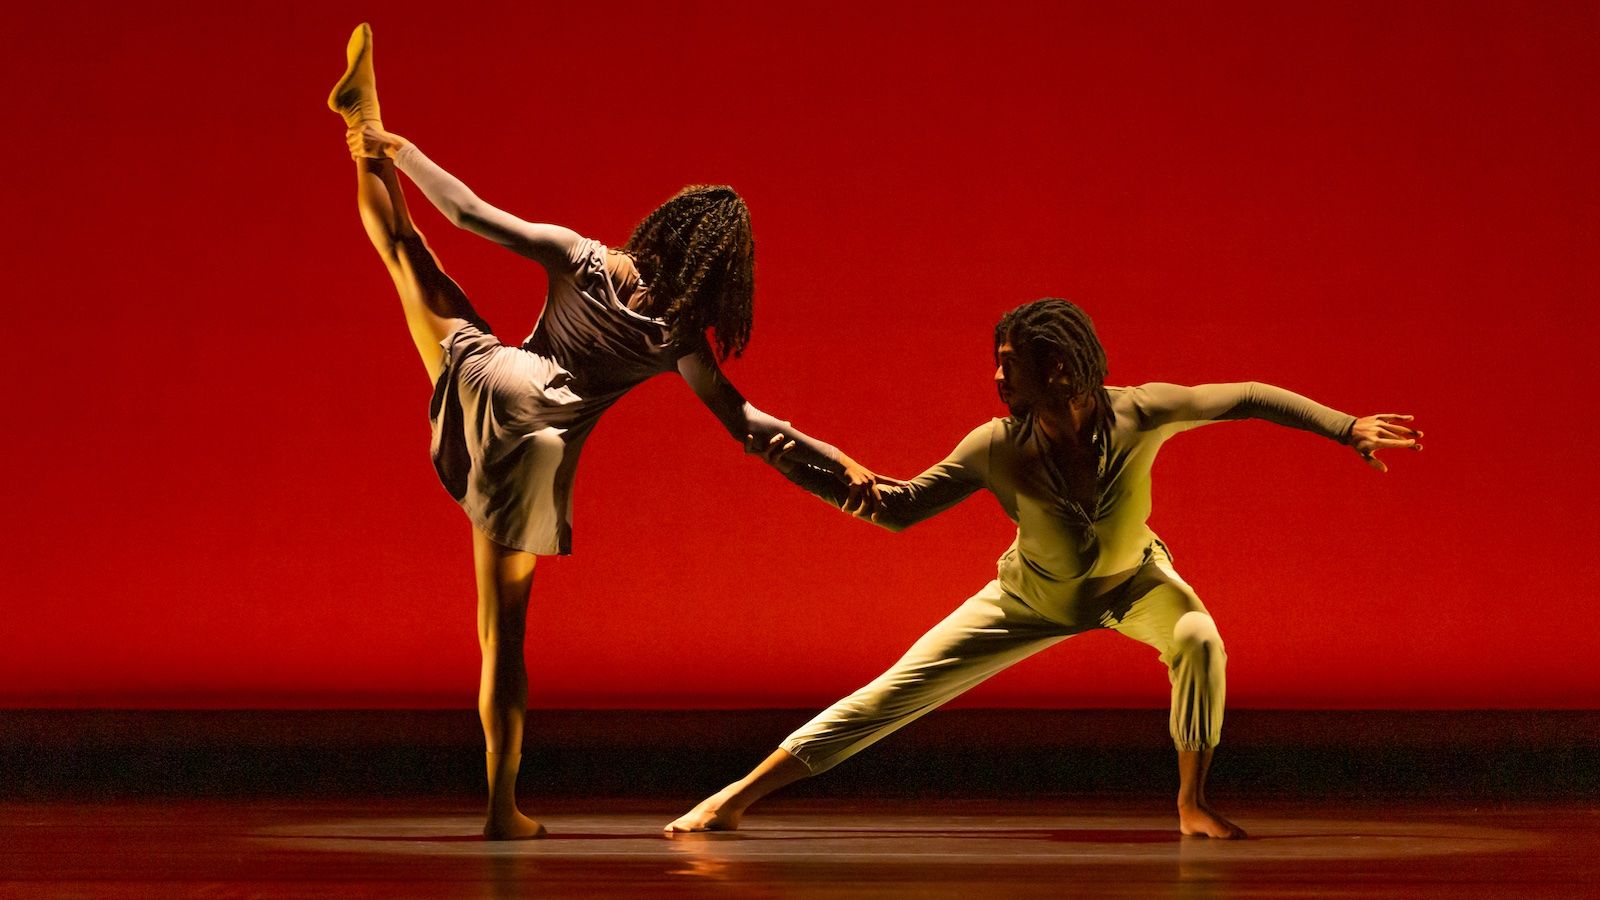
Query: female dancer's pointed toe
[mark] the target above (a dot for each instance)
(355, 96)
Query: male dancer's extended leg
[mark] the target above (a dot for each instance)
(1160, 609)
(984, 635)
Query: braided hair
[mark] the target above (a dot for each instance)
(1051, 331)
(697, 255)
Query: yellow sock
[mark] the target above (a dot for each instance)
(356, 95)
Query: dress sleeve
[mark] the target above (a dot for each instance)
(946, 483)
(1174, 407)
(699, 368)
(554, 247)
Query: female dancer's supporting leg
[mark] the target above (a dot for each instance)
(435, 306)
(505, 577)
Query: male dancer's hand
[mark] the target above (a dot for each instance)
(863, 499)
(1381, 432)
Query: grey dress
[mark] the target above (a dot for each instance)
(509, 422)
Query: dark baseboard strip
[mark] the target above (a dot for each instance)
(1480, 755)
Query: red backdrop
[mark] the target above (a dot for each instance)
(218, 489)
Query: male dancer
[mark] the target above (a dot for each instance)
(1071, 466)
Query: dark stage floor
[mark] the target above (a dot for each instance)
(793, 849)
(969, 804)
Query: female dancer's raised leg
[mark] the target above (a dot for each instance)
(435, 306)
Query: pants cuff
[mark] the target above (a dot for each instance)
(799, 752)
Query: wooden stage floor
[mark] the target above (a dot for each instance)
(792, 849)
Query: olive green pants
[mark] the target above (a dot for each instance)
(995, 629)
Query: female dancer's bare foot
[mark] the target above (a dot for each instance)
(355, 96)
(713, 814)
(1203, 821)
(512, 826)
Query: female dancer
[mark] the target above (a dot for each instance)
(509, 422)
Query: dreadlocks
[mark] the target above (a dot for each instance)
(1051, 331)
(697, 256)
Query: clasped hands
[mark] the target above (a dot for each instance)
(864, 497)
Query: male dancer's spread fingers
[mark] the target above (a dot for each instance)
(1370, 434)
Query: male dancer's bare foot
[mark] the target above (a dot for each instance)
(1195, 815)
(512, 826)
(355, 96)
(713, 814)
(723, 810)
(1203, 821)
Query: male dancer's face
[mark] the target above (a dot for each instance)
(1017, 379)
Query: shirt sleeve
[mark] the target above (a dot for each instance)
(553, 246)
(948, 482)
(741, 418)
(1175, 408)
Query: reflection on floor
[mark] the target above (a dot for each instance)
(1104, 847)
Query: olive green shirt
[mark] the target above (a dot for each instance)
(1066, 559)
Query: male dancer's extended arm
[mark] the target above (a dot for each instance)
(946, 483)
(553, 246)
(1177, 408)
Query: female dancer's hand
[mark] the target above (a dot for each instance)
(863, 498)
(1373, 433)
(371, 142)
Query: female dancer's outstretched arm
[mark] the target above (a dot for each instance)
(555, 247)
(897, 504)
(757, 429)
(552, 246)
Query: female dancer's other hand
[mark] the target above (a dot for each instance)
(371, 142)
(775, 453)
(1380, 432)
